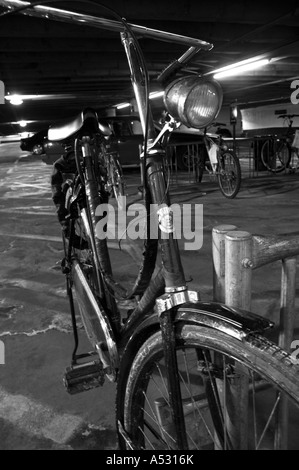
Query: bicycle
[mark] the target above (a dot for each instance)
(276, 152)
(182, 366)
(213, 155)
(220, 162)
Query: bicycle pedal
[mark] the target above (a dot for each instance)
(82, 377)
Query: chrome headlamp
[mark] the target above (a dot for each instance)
(193, 100)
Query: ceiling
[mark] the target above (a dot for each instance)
(77, 65)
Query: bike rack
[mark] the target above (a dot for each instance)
(235, 255)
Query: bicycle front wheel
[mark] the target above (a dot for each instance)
(229, 174)
(230, 391)
(275, 155)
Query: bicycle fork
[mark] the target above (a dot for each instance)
(173, 379)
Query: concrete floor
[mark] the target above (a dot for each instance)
(35, 410)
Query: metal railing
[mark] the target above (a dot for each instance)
(235, 255)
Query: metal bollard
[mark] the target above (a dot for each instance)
(238, 272)
(218, 253)
(238, 262)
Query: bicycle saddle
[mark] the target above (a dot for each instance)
(86, 122)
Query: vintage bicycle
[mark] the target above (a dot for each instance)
(221, 163)
(278, 152)
(213, 155)
(182, 366)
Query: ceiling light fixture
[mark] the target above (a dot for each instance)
(156, 94)
(56, 96)
(123, 105)
(14, 99)
(239, 68)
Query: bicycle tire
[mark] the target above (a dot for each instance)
(143, 400)
(229, 174)
(275, 155)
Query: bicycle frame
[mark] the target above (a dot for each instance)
(213, 148)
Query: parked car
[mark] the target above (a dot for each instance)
(35, 143)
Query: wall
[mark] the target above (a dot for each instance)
(266, 117)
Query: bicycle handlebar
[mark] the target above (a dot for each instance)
(177, 64)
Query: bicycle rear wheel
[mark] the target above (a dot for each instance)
(229, 174)
(82, 251)
(275, 155)
(218, 374)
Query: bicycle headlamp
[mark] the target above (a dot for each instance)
(193, 100)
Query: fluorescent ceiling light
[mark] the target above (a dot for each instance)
(239, 68)
(15, 99)
(237, 64)
(18, 122)
(152, 95)
(123, 105)
(40, 97)
(156, 94)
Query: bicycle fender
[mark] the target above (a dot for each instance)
(234, 322)
(135, 337)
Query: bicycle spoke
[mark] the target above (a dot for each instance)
(154, 433)
(254, 410)
(154, 418)
(269, 420)
(195, 403)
